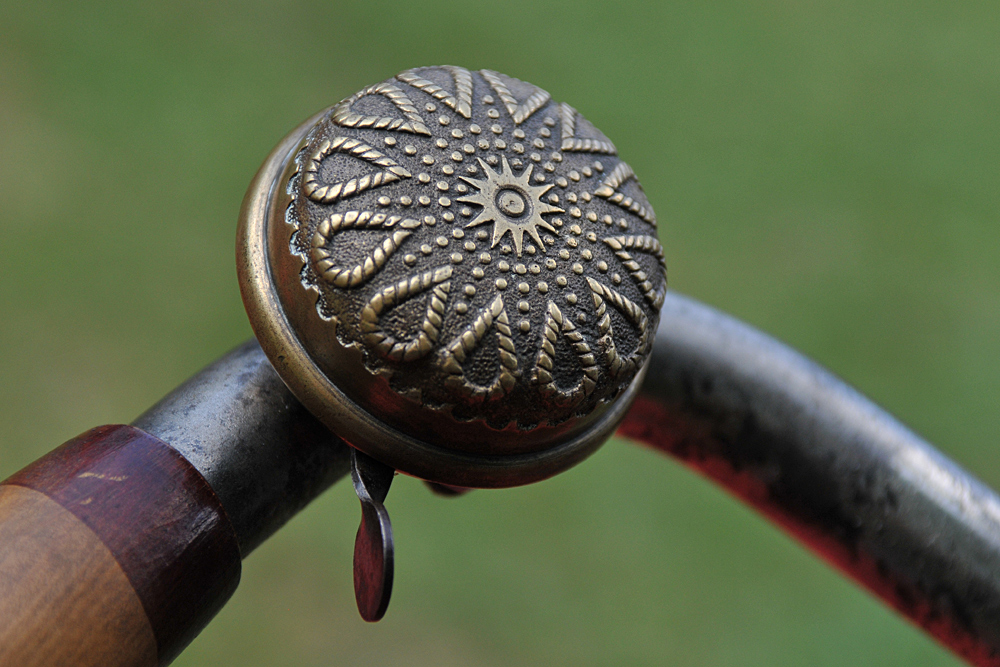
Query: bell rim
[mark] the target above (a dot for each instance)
(344, 416)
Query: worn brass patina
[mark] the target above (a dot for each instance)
(456, 274)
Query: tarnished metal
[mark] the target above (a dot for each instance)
(772, 427)
(459, 272)
(830, 467)
(265, 456)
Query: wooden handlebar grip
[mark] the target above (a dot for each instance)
(114, 552)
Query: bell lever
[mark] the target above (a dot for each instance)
(373, 546)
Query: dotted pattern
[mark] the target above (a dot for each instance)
(489, 214)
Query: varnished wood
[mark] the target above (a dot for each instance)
(64, 600)
(157, 518)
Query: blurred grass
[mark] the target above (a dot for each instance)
(825, 170)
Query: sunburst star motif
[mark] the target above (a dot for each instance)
(511, 203)
(483, 247)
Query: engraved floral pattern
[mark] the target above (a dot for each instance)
(483, 245)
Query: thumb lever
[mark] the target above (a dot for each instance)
(373, 547)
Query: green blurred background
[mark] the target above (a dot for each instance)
(825, 169)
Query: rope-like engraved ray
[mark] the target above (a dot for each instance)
(618, 364)
(609, 190)
(393, 295)
(460, 101)
(555, 325)
(399, 230)
(571, 142)
(452, 357)
(648, 245)
(345, 116)
(326, 193)
(519, 111)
